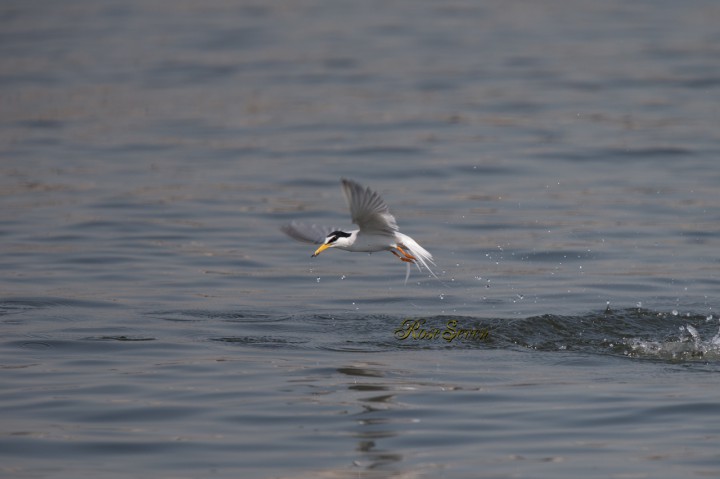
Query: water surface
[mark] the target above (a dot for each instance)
(558, 160)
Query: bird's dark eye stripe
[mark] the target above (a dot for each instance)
(337, 234)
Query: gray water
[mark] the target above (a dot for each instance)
(559, 160)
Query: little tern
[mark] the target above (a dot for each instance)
(378, 230)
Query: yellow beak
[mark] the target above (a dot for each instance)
(321, 249)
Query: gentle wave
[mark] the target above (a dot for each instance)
(632, 333)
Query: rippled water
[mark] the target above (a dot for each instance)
(559, 159)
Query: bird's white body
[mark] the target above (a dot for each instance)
(378, 230)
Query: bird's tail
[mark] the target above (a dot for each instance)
(423, 256)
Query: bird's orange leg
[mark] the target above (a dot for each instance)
(402, 258)
(406, 254)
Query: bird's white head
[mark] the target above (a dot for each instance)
(336, 239)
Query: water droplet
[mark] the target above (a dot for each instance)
(318, 279)
(342, 277)
(693, 332)
(675, 312)
(442, 296)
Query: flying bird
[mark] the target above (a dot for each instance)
(378, 230)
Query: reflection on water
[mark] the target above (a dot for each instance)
(372, 424)
(373, 421)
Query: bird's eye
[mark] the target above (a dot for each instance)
(332, 239)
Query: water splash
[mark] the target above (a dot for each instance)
(689, 345)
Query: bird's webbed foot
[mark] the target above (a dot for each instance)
(407, 258)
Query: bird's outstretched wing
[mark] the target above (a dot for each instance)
(307, 232)
(368, 210)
